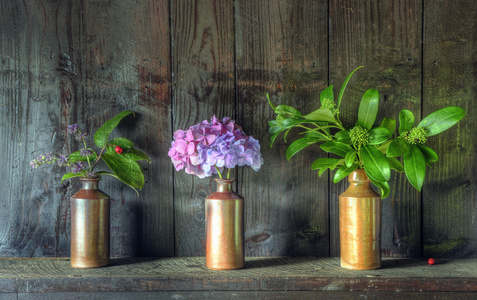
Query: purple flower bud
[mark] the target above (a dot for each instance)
(80, 136)
(72, 129)
(62, 160)
(77, 167)
(86, 152)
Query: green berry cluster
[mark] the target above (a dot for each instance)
(329, 104)
(359, 136)
(417, 135)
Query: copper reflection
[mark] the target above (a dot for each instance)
(360, 224)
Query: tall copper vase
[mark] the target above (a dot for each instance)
(360, 224)
(224, 223)
(89, 226)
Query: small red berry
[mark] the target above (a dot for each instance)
(431, 261)
(119, 150)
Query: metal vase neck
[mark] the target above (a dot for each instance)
(90, 183)
(224, 185)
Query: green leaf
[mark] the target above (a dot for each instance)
(406, 120)
(272, 123)
(375, 164)
(125, 144)
(113, 175)
(395, 164)
(442, 120)
(287, 110)
(327, 94)
(270, 102)
(397, 147)
(70, 175)
(368, 109)
(316, 135)
(378, 135)
(326, 163)
(274, 137)
(321, 115)
(429, 155)
(384, 186)
(76, 156)
(128, 171)
(336, 147)
(134, 154)
(389, 124)
(343, 137)
(299, 145)
(344, 171)
(343, 87)
(350, 158)
(101, 136)
(274, 129)
(383, 147)
(415, 166)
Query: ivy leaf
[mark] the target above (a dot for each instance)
(343, 87)
(101, 136)
(321, 115)
(128, 171)
(384, 186)
(442, 120)
(76, 156)
(375, 163)
(395, 164)
(415, 166)
(397, 147)
(429, 154)
(378, 135)
(368, 109)
(326, 163)
(389, 124)
(125, 144)
(406, 120)
(70, 175)
(344, 171)
(350, 158)
(336, 147)
(299, 145)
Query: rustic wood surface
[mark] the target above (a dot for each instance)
(50, 275)
(176, 63)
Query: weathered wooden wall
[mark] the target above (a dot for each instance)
(176, 63)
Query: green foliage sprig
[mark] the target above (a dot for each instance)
(365, 146)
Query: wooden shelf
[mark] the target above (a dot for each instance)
(261, 274)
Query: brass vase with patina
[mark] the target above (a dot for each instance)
(224, 224)
(360, 224)
(89, 226)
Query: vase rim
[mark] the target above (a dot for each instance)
(224, 180)
(90, 178)
(358, 175)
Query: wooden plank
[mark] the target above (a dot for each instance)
(281, 49)
(37, 89)
(449, 199)
(385, 37)
(295, 295)
(259, 274)
(126, 66)
(203, 68)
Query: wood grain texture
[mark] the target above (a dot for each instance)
(450, 64)
(260, 274)
(385, 38)
(281, 50)
(203, 68)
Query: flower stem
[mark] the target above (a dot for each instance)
(228, 174)
(99, 157)
(218, 171)
(87, 157)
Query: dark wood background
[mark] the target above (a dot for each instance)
(176, 63)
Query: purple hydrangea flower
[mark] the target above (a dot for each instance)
(206, 147)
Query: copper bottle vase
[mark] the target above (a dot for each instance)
(360, 224)
(89, 226)
(224, 223)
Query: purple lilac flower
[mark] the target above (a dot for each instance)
(72, 129)
(86, 152)
(77, 167)
(80, 136)
(207, 146)
(62, 160)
